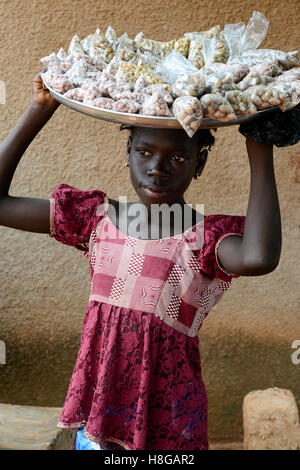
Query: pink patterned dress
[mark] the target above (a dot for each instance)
(137, 380)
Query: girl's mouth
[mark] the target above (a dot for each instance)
(154, 190)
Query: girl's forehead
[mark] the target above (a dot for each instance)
(163, 137)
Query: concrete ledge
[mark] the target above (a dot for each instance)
(226, 446)
(32, 428)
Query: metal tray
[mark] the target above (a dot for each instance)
(142, 120)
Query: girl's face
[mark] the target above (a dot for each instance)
(162, 163)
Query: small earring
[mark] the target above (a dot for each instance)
(126, 163)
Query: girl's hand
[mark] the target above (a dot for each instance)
(41, 95)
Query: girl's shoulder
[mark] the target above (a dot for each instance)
(216, 228)
(74, 213)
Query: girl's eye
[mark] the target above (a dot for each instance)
(144, 152)
(179, 158)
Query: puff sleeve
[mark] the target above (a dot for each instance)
(73, 215)
(217, 227)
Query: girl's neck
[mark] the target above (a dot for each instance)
(158, 221)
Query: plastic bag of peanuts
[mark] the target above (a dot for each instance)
(289, 75)
(241, 102)
(182, 45)
(188, 112)
(290, 94)
(254, 78)
(265, 97)
(215, 49)
(271, 69)
(101, 48)
(126, 106)
(59, 82)
(103, 102)
(92, 92)
(157, 48)
(285, 60)
(77, 94)
(155, 105)
(195, 55)
(192, 84)
(236, 71)
(217, 107)
(219, 82)
(163, 89)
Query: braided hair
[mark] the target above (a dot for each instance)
(206, 141)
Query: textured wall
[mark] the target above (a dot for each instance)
(246, 340)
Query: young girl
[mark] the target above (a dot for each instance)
(137, 380)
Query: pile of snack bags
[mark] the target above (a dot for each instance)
(210, 74)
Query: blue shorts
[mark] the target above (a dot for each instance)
(83, 443)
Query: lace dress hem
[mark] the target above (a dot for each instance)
(92, 438)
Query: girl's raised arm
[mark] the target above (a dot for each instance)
(23, 213)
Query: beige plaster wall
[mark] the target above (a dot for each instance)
(44, 286)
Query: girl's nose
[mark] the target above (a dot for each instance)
(158, 169)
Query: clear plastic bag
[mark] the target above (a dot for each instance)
(105, 84)
(85, 83)
(75, 72)
(121, 93)
(75, 46)
(289, 92)
(92, 92)
(215, 49)
(126, 53)
(140, 84)
(111, 69)
(62, 55)
(163, 89)
(122, 80)
(210, 33)
(188, 112)
(96, 62)
(155, 105)
(182, 45)
(157, 48)
(126, 106)
(101, 47)
(289, 75)
(105, 103)
(255, 32)
(265, 97)
(111, 36)
(254, 78)
(217, 107)
(174, 66)
(125, 40)
(196, 52)
(86, 43)
(196, 47)
(233, 34)
(77, 94)
(286, 60)
(219, 82)
(237, 71)
(241, 102)
(52, 62)
(271, 69)
(59, 82)
(190, 84)
(134, 71)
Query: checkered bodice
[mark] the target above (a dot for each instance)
(161, 277)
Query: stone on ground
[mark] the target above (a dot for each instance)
(271, 420)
